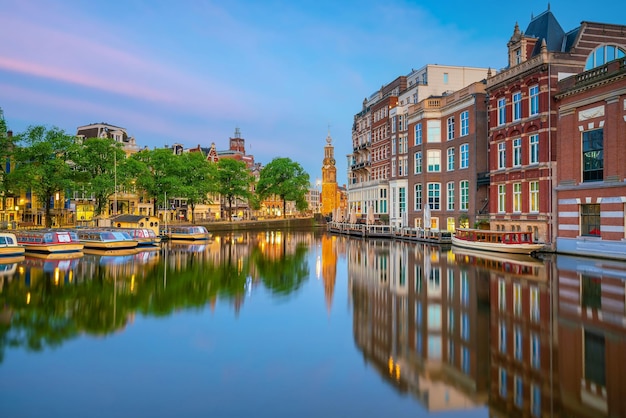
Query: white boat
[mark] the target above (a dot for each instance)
(143, 236)
(105, 239)
(49, 240)
(186, 232)
(499, 241)
(9, 246)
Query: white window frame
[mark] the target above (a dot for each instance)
(517, 105)
(433, 161)
(517, 197)
(533, 100)
(418, 163)
(450, 159)
(501, 111)
(464, 160)
(464, 123)
(517, 152)
(501, 155)
(450, 196)
(533, 149)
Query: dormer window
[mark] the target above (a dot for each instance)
(518, 56)
(603, 54)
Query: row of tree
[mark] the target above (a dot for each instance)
(47, 161)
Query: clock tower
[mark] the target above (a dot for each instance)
(330, 192)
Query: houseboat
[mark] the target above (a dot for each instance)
(143, 236)
(186, 232)
(499, 241)
(49, 241)
(105, 239)
(9, 247)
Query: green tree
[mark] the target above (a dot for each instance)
(286, 179)
(43, 163)
(198, 179)
(7, 147)
(232, 181)
(102, 162)
(158, 174)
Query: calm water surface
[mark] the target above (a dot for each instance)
(304, 324)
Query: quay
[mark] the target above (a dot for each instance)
(386, 231)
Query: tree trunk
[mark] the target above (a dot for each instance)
(193, 219)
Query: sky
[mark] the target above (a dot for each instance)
(286, 73)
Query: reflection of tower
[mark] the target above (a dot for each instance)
(329, 198)
(329, 269)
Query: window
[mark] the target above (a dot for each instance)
(533, 190)
(445, 78)
(394, 122)
(464, 188)
(501, 111)
(518, 56)
(418, 162)
(533, 99)
(502, 337)
(590, 220)
(593, 155)
(464, 123)
(517, 197)
(450, 159)
(464, 163)
(434, 195)
(534, 304)
(602, 55)
(450, 128)
(433, 128)
(502, 155)
(533, 149)
(418, 134)
(450, 196)
(403, 166)
(501, 198)
(517, 105)
(418, 197)
(393, 146)
(517, 152)
(402, 199)
(434, 160)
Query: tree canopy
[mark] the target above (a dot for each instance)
(232, 181)
(284, 178)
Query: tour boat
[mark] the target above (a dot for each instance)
(105, 239)
(9, 247)
(49, 240)
(186, 232)
(499, 241)
(143, 236)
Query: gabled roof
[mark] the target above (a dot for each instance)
(546, 27)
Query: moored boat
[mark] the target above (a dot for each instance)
(49, 240)
(186, 232)
(514, 242)
(9, 247)
(143, 236)
(105, 239)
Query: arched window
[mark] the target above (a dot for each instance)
(603, 54)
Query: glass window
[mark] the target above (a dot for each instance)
(418, 162)
(450, 128)
(590, 220)
(517, 152)
(418, 197)
(434, 196)
(464, 163)
(533, 190)
(418, 134)
(464, 123)
(593, 155)
(517, 197)
(501, 111)
(464, 187)
(402, 199)
(533, 141)
(433, 128)
(502, 155)
(450, 196)
(602, 55)
(501, 198)
(533, 98)
(517, 105)
(434, 160)
(393, 146)
(450, 159)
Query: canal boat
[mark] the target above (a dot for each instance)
(9, 247)
(186, 232)
(512, 242)
(49, 241)
(105, 239)
(143, 236)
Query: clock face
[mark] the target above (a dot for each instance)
(332, 161)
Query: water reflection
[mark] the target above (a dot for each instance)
(453, 329)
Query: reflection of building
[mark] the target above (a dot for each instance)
(592, 337)
(329, 268)
(422, 321)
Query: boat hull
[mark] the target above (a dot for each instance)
(11, 251)
(53, 248)
(524, 248)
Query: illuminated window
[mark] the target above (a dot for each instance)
(517, 197)
(533, 189)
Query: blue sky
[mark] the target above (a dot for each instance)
(191, 71)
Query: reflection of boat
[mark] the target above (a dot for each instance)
(9, 246)
(499, 241)
(49, 240)
(55, 256)
(187, 246)
(11, 259)
(143, 236)
(186, 232)
(9, 269)
(111, 251)
(50, 264)
(517, 264)
(105, 239)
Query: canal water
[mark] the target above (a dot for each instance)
(306, 324)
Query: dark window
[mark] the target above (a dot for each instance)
(590, 220)
(593, 155)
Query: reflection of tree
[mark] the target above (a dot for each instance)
(284, 274)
